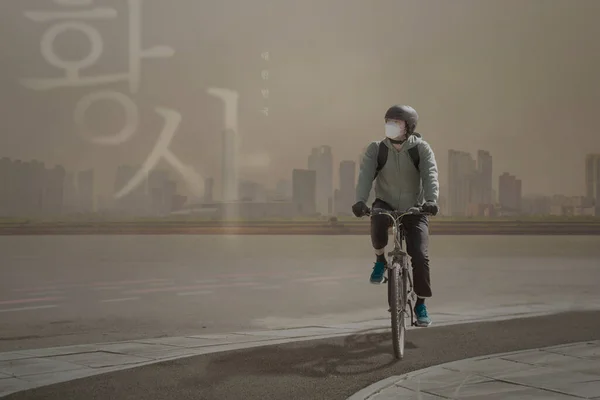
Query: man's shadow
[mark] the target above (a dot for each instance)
(360, 353)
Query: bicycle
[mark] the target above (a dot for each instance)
(399, 279)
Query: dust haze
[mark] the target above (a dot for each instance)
(517, 78)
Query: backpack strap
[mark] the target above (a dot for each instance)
(413, 152)
(382, 155)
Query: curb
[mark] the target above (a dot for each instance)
(375, 388)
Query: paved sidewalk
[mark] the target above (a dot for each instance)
(560, 372)
(334, 368)
(28, 369)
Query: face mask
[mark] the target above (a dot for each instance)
(395, 131)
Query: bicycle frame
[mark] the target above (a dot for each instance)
(399, 256)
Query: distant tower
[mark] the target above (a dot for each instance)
(208, 190)
(229, 170)
(321, 161)
(592, 181)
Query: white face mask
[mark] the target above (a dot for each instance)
(395, 131)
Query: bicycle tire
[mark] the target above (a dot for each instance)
(397, 311)
(405, 283)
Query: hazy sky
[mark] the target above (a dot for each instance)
(516, 77)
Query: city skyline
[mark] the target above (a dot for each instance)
(469, 191)
(331, 161)
(498, 75)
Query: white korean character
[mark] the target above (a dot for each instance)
(265, 111)
(230, 99)
(265, 74)
(161, 151)
(265, 93)
(231, 141)
(73, 69)
(265, 56)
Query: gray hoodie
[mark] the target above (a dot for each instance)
(399, 183)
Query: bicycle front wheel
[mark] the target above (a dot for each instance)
(397, 311)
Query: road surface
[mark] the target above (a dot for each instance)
(64, 290)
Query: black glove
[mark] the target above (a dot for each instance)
(360, 209)
(430, 208)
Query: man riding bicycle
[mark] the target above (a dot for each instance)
(405, 177)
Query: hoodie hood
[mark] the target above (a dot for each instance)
(412, 141)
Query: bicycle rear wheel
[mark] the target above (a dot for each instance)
(397, 310)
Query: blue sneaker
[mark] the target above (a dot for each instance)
(423, 319)
(377, 274)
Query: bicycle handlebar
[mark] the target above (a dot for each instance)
(397, 214)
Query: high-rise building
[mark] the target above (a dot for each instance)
(597, 187)
(157, 185)
(536, 205)
(592, 182)
(19, 186)
(304, 191)
(347, 191)
(209, 186)
(283, 189)
(510, 192)
(54, 191)
(157, 178)
(229, 166)
(169, 196)
(321, 161)
(484, 177)
(252, 191)
(85, 191)
(135, 202)
(34, 185)
(30, 189)
(6, 187)
(461, 181)
(70, 193)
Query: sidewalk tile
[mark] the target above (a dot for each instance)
(13, 355)
(182, 342)
(488, 366)
(99, 359)
(34, 366)
(60, 351)
(439, 378)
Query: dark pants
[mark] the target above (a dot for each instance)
(417, 241)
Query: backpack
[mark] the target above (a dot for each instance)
(382, 155)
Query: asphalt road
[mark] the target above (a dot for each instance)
(65, 290)
(324, 369)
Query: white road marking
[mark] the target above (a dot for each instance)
(47, 293)
(196, 293)
(242, 278)
(119, 300)
(207, 281)
(27, 308)
(272, 287)
(108, 288)
(165, 283)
